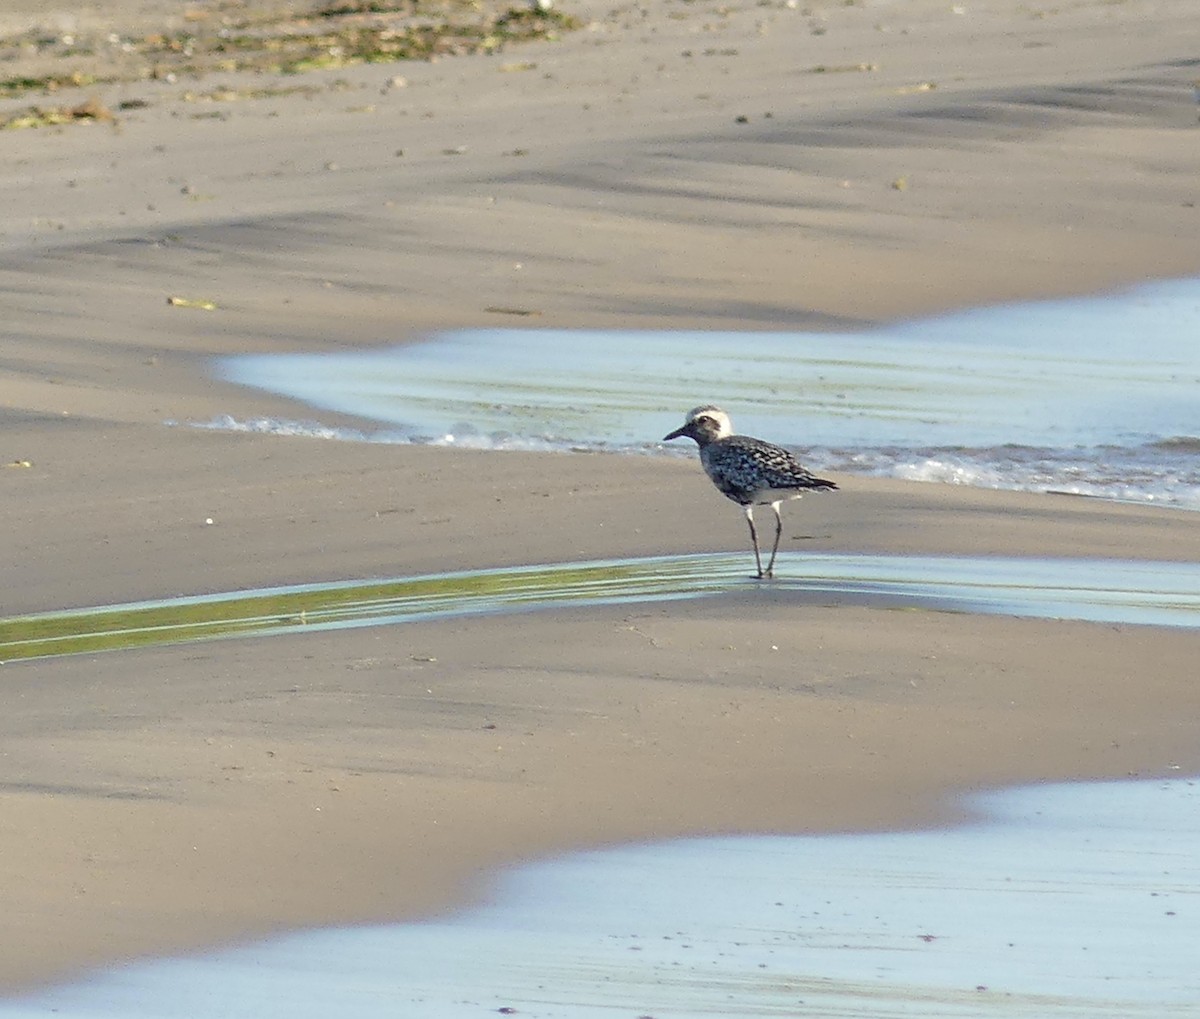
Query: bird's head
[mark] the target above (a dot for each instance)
(704, 424)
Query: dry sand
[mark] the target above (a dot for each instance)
(178, 797)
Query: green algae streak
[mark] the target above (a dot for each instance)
(1110, 591)
(352, 603)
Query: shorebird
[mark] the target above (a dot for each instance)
(749, 471)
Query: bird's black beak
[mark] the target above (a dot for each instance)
(679, 432)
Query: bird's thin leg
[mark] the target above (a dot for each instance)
(754, 538)
(778, 532)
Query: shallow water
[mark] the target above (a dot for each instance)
(1062, 901)
(1113, 591)
(1097, 396)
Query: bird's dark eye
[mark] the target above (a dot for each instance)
(706, 421)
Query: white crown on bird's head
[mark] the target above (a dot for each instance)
(708, 421)
(724, 425)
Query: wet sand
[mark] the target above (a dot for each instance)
(179, 797)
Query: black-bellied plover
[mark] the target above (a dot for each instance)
(749, 471)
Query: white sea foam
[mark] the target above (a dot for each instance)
(1076, 474)
(278, 426)
(1151, 475)
(465, 438)
(1097, 397)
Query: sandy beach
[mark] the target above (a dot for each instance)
(674, 165)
